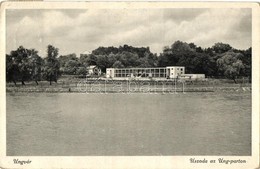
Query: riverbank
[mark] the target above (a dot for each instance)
(81, 85)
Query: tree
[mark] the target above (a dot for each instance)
(103, 62)
(129, 59)
(209, 51)
(12, 70)
(51, 64)
(65, 58)
(18, 65)
(143, 62)
(23, 65)
(230, 65)
(83, 59)
(149, 60)
(81, 71)
(203, 63)
(135, 50)
(91, 60)
(88, 59)
(105, 50)
(193, 57)
(71, 67)
(246, 58)
(118, 64)
(152, 59)
(179, 54)
(112, 58)
(221, 47)
(180, 46)
(163, 59)
(195, 48)
(36, 63)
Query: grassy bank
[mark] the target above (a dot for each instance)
(67, 84)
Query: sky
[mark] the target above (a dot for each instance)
(83, 30)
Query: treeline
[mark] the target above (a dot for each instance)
(107, 57)
(26, 65)
(124, 56)
(220, 60)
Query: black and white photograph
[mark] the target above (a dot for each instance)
(126, 80)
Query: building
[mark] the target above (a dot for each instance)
(93, 70)
(155, 73)
(193, 76)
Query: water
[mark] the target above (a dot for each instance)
(45, 124)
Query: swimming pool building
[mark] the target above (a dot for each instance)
(156, 72)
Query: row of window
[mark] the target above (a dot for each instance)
(141, 71)
(181, 72)
(181, 69)
(142, 75)
(144, 70)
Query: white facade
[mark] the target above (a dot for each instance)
(169, 72)
(110, 72)
(156, 73)
(193, 76)
(175, 71)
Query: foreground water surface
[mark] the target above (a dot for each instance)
(66, 124)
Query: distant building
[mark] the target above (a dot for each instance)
(193, 76)
(93, 70)
(169, 72)
(157, 72)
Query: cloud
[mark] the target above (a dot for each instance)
(76, 31)
(179, 15)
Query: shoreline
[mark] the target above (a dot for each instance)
(78, 85)
(125, 91)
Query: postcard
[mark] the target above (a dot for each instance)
(129, 85)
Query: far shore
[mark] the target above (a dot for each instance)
(69, 84)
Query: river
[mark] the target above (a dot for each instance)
(77, 124)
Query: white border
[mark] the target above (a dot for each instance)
(131, 161)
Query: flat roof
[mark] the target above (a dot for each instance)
(148, 67)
